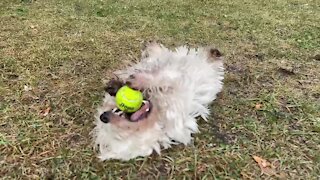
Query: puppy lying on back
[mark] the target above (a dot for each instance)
(177, 85)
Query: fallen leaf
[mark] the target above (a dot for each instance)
(265, 166)
(258, 106)
(260, 161)
(268, 169)
(45, 112)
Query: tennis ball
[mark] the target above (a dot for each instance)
(128, 100)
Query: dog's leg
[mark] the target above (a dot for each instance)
(152, 49)
(148, 84)
(138, 81)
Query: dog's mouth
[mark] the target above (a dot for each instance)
(142, 113)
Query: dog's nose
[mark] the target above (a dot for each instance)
(104, 117)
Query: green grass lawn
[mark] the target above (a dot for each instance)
(56, 53)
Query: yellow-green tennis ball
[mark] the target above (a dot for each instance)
(128, 100)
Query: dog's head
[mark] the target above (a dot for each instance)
(129, 122)
(125, 136)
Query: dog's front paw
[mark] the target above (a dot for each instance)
(137, 81)
(151, 48)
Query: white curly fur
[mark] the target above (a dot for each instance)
(182, 83)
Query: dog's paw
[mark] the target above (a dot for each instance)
(151, 48)
(150, 44)
(137, 81)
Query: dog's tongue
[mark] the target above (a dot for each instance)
(141, 112)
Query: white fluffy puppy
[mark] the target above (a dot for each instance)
(177, 85)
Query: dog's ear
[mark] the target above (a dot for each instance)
(214, 54)
(113, 86)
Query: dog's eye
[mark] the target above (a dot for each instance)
(112, 91)
(113, 86)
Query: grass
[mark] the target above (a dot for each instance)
(56, 53)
